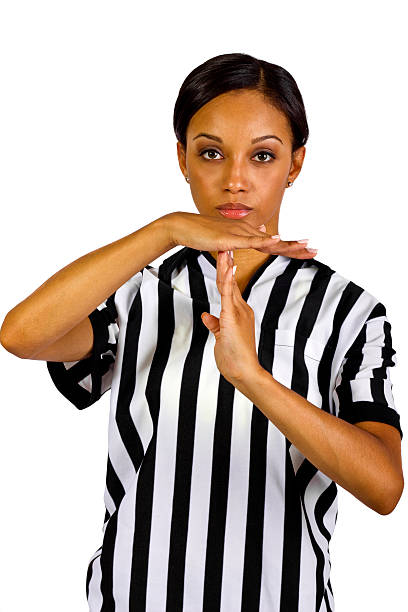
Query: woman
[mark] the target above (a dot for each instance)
(238, 401)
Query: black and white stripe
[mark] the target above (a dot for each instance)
(208, 506)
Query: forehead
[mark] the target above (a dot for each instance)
(239, 111)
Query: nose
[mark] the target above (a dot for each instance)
(235, 177)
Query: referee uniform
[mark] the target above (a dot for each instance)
(208, 507)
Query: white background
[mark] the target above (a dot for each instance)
(88, 155)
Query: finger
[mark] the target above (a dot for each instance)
(223, 272)
(211, 322)
(264, 242)
(254, 238)
(224, 279)
(236, 292)
(301, 249)
(291, 248)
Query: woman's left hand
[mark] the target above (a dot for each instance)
(235, 348)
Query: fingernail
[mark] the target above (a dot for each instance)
(231, 254)
(311, 250)
(233, 270)
(275, 237)
(262, 228)
(305, 241)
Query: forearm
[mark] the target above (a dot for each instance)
(73, 292)
(355, 459)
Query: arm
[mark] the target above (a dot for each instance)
(64, 301)
(355, 459)
(368, 466)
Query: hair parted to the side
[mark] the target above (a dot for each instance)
(231, 71)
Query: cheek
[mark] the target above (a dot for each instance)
(280, 177)
(271, 186)
(206, 183)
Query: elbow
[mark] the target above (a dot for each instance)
(390, 503)
(5, 340)
(11, 348)
(5, 334)
(9, 342)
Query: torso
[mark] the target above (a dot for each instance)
(208, 505)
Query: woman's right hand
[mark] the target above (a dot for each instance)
(207, 233)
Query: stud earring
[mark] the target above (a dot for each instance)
(290, 183)
(187, 179)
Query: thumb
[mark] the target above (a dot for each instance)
(212, 323)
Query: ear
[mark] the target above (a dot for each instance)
(298, 157)
(181, 155)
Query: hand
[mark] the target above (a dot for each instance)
(235, 347)
(208, 233)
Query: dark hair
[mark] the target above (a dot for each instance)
(232, 71)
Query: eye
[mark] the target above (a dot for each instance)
(208, 150)
(271, 155)
(266, 153)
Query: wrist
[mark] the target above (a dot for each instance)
(249, 383)
(166, 226)
(168, 223)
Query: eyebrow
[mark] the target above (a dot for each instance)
(218, 139)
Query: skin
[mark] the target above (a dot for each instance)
(236, 170)
(364, 458)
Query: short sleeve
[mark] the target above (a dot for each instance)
(83, 382)
(363, 387)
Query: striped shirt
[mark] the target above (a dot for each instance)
(208, 507)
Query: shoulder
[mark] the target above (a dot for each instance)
(351, 294)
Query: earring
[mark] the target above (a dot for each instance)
(187, 179)
(290, 183)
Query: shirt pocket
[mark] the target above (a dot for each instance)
(296, 362)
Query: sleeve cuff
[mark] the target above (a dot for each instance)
(369, 411)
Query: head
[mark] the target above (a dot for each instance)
(236, 99)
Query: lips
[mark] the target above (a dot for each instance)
(234, 206)
(235, 213)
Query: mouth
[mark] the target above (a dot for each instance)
(233, 206)
(234, 210)
(234, 213)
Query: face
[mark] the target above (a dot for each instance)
(226, 165)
